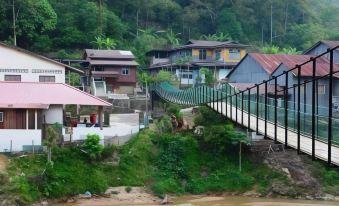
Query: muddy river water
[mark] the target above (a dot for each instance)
(210, 201)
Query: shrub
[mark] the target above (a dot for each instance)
(92, 146)
(128, 189)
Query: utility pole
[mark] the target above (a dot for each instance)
(14, 22)
(271, 23)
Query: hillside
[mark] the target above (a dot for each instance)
(63, 28)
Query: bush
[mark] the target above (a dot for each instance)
(92, 146)
(108, 151)
(128, 189)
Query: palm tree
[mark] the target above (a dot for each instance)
(103, 42)
(216, 37)
(172, 38)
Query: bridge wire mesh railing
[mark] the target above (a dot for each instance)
(315, 119)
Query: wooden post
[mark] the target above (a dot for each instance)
(27, 119)
(100, 117)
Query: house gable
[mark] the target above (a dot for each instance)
(248, 71)
(30, 67)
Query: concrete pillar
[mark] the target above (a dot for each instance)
(36, 119)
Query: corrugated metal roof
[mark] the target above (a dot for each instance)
(109, 54)
(331, 44)
(271, 61)
(270, 88)
(36, 95)
(322, 68)
(113, 63)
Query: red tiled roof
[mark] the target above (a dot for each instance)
(41, 95)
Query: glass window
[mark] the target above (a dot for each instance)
(202, 54)
(218, 55)
(46, 78)
(1, 116)
(13, 78)
(234, 54)
(321, 89)
(125, 71)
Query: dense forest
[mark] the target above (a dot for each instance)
(63, 27)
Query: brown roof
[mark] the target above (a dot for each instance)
(329, 43)
(271, 61)
(113, 63)
(207, 44)
(109, 54)
(41, 57)
(322, 68)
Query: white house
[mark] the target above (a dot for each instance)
(33, 93)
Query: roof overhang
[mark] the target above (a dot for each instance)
(41, 95)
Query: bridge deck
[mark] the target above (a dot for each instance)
(321, 148)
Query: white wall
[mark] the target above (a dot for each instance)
(80, 133)
(12, 60)
(19, 138)
(54, 114)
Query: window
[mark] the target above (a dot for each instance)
(1, 116)
(321, 89)
(125, 71)
(218, 55)
(46, 78)
(11, 78)
(202, 54)
(234, 54)
(99, 68)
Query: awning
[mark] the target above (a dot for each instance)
(41, 95)
(105, 74)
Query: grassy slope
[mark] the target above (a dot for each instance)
(166, 164)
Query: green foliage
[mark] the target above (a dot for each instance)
(102, 42)
(75, 79)
(164, 76)
(205, 117)
(128, 189)
(163, 125)
(92, 146)
(209, 76)
(278, 50)
(216, 37)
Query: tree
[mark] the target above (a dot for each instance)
(209, 77)
(102, 42)
(50, 141)
(92, 146)
(277, 50)
(216, 37)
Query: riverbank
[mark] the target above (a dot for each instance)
(163, 162)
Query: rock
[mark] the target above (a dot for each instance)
(251, 193)
(308, 197)
(287, 172)
(165, 200)
(71, 200)
(279, 188)
(44, 202)
(336, 198)
(328, 197)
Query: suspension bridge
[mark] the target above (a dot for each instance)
(308, 127)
